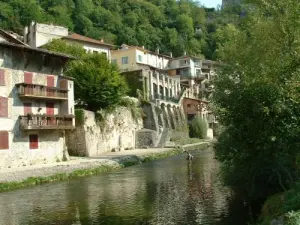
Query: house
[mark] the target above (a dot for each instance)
(36, 104)
(149, 68)
(37, 35)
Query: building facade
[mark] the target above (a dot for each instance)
(37, 35)
(36, 104)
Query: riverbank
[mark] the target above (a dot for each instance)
(282, 208)
(15, 178)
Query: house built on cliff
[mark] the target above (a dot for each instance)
(38, 34)
(36, 104)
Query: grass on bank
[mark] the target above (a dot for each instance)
(283, 207)
(32, 181)
(186, 141)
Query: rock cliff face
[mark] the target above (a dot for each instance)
(116, 132)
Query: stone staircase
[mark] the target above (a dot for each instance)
(165, 137)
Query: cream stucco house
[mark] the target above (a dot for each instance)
(36, 104)
(37, 35)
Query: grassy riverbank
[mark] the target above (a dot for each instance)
(120, 162)
(282, 208)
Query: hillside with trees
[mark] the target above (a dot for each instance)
(170, 25)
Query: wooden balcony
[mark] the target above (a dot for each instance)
(41, 92)
(46, 122)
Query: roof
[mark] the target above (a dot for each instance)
(143, 49)
(10, 37)
(78, 37)
(38, 50)
(187, 56)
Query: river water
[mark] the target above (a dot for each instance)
(168, 191)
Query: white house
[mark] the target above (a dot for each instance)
(37, 35)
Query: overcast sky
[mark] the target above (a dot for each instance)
(211, 3)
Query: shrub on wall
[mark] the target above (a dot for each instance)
(198, 128)
(79, 116)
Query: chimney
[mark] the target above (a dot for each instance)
(171, 54)
(143, 47)
(101, 40)
(184, 53)
(157, 50)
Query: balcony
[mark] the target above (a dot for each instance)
(46, 122)
(41, 92)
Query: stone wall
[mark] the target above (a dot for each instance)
(117, 132)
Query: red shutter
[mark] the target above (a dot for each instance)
(50, 81)
(2, 77)
(33, 141)
(27, 108)
(50, 108)
(4, 140)
(3, 107)
(27, 77)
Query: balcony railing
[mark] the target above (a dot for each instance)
(41, 91)
(46, 122)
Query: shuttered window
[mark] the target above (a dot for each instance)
(4, 140)
(63, 83)
(3, 107)
(27, 108)
(27, 77)
(33, 141)
(2, 77)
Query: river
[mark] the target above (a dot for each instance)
(168, 191)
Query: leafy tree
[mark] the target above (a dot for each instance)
(98, 83)
(59, 45)
(198, 128)
(257, 98)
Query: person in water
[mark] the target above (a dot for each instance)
(189, 156)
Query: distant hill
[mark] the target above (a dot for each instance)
(170, 25)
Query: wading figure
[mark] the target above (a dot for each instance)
(189, 156)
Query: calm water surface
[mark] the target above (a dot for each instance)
(167, 191)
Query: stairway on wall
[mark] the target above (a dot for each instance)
(164, 138)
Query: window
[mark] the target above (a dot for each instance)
(4, 140)
(95, 52)
(104, 53)
(28, 78)
(27, 108)
(3, 107)
(2, 77)
(189, 105)
(33, 141)
(113, 61)
(140, 58)
(125, 60)
(184, 62)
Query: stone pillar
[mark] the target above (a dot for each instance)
(151, 84)
(157, 82)
(175, 88)
(164, 85)
(169, 87)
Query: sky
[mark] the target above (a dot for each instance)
(211, 3)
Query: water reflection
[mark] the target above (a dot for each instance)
(169, 191)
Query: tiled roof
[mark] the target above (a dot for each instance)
(39, 50)
(79, 37)
(10, 38)
(144, 50)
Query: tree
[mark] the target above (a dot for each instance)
(98, 83)
(257, 99)
(59, 45)
(198, 128)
